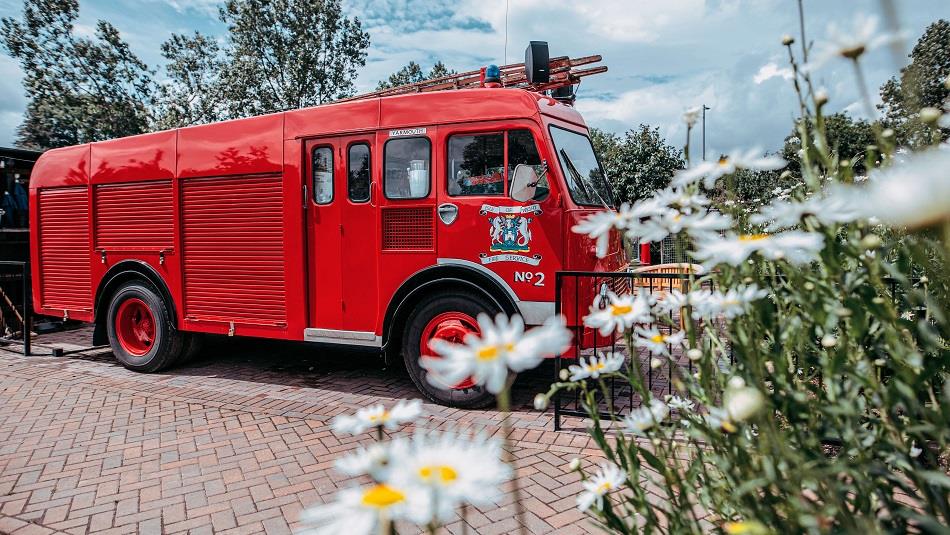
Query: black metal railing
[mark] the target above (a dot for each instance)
(575, 294)
(16, 313)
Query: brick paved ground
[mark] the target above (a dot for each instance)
(236, 442)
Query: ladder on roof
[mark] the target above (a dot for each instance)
(563, 72)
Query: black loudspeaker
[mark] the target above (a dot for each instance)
(564, 94)
(537, 62)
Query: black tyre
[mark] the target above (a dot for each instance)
(448, 317)
(140, 329)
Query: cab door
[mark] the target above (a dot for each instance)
(324, 172)
(481, 225)
(359, 196)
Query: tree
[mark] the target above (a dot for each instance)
(847, 138)
(79, 89)
(921, 85)
(289, 54)
(637, 164)
(412, 73)
(192, 95)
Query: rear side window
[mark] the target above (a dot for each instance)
(476, 164)
(322, 175)
(358, 172)
(407, 168)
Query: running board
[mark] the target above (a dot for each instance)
(331, 336)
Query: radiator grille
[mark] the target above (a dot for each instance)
(64, 249)
(411, 229)
(136, 216)
(233, 241)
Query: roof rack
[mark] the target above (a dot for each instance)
(563, 72)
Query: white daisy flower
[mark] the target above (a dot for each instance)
(598, 225)
(914, 192)
(596, 366)
(642, 419)
(672, 222)
(502, 345)
(709, 172)
(620, 312)
(743, 403)
(680, 199)
(373, 460)
(850, 43)
(719, 420)
(680, 404)
(357, 511)
(691, 115)
(701, 300)
(735, 302)
(609, 477)
(793, 246)
(826, 210)
(658, 343)
(406, 411)
(441, 473)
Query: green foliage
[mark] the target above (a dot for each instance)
(637, 164)
(80, 89)
(192, 94)
(412, 73)
(288, 54)
(921, 85)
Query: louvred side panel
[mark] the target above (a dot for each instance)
(64, 249)
(408, 229)
(233, 241)
(135, 216)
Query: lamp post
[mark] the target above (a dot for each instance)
(705, 107)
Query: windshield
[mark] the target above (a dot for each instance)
(585, 177)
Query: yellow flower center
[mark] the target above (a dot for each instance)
(382, 496)
(596, 366)
(729, 427)
(723, 162)
(441, 474)
(604, 487)
(658, 339)
(753, 237)
(509, 347)
(377, 418)
(620, 310)
(488, 353)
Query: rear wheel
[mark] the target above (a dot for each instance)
(140, 329)
(448, 318)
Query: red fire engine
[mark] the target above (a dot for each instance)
(384, 221)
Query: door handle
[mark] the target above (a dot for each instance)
(448, 212)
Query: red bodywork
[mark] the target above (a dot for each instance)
(221, 213)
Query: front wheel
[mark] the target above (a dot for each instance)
(140, 329)
(449, 318)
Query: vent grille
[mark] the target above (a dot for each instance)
(64, 249)
(408, 229)
(137, 216)
(233, 240)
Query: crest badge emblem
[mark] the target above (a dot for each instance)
(510, 233)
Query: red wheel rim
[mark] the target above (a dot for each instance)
(451, 327)
(135, 327)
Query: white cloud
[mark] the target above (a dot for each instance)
(771, 70)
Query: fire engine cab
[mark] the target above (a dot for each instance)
(385, 220)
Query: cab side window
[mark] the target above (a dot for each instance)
(358, 172)
(407, 170)
(476, 164)
(322, 165)
(523, 150)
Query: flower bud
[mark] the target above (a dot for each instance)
(787, 40)
(828, 341)
(946, 83)
(871, 241)
(743, 403)
(656, 363)
(887, 133)
(929, 115)
(924, 279)
(878, 300)
(540, 402)
(770, 366)
(736, 382)
(821, 97)
(785, 175)
(574, 465)
(843, 312)
(564, 374)
(809, 286)
(694, 354)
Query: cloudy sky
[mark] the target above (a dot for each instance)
(663, 55)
